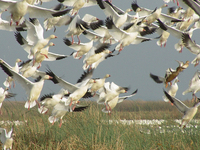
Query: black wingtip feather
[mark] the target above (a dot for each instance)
(134, 5)
(19, 38)
(100, 3)
(46, 96)
(80, 108)
(161, 25)
(168, 96)
(50, 73)
(96, 25)
(5, 69)
(155, 78)
(61, 13)
(67, 42)
(109, 22)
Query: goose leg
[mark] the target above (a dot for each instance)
(60, 123)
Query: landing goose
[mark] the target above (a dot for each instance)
(119, 18)
(192, 47)
(33, 90)
(86, 76)
(9, 80)
(81, 49)
(79, 93)
(96, 55)
(176, 32)
(195, 5)
(5, 25)
(194, 85)
(99, 83)
(78, 4)
(6, 138)
(147, 12)
(172, 89)
(19, 8)
(109, 96)
(4, 94)
(52, 22)
(124, 37)
(48, 101)
(174, 11)
(154, 15)
(27, 69)
(60, 110)
(189, 113)
(76, 27)
(31, 49)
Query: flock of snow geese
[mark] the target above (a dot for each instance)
(119, 28)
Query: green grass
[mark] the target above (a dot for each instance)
(90, 130)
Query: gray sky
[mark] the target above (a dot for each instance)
(131, 68)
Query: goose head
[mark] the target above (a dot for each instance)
(52, 36)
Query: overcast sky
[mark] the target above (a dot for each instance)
(131, 68)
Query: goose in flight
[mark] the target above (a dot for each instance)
(18, 9)
(33, 89)
(189, 113)
(6, 138)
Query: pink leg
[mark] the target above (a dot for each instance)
(177, 2)
(197, 62)
(72, 39)
(38, 103)
(79, 41)
(44, 55)
(29, 105)
(53, 120)
(70, 102)
(165, 44)
(121, 48)
(60, 123)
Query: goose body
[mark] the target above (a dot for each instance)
(18, 9)
(6, 138)
(33, 90)
(189, 113)
(9, 79)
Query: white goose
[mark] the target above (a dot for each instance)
(194, 85)
(118, 16)
(20, 8)
(78, 4)
(109, 96)
(9, 79)
(189, 113)
(81, 49)
(76, 27)
(79, 93)
(5, 25)
(177, 33)
(32, 49)
(50, 100)
(60, 110)
(96, 55)
(172, 89)
(33, 90)
(6, 138)
(124, 37)
(27, 69)
(154, 15)
(99, 83)
(52, 22)
(4, 94)
(192, 47)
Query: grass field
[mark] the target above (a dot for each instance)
(94, 130)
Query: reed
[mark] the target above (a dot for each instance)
(91, 129)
